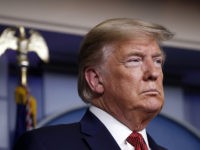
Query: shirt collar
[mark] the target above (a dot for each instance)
(118, 130)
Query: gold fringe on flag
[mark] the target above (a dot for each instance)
(23, 97)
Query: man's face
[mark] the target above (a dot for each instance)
(132, 78)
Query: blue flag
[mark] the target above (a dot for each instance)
(26, 111)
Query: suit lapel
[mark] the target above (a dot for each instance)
(96, 135)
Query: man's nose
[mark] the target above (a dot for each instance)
(151, 71)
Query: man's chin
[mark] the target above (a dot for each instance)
(153, 107)
(153, 110)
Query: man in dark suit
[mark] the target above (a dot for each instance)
(120, 75)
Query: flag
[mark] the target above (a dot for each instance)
(26, 111)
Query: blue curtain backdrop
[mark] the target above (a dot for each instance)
(192, 105)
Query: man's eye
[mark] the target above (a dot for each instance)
(133, 62)
(159, 61)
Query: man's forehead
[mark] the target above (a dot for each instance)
(137, 45)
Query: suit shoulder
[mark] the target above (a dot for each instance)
(48, 137)
(56, 129)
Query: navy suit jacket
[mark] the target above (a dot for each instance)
(88, 134)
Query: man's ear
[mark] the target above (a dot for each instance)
(94, 80)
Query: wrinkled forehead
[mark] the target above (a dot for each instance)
(134, 41)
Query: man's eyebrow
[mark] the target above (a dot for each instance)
(135, 54)
(159, 54)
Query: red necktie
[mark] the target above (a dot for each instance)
(137, 141)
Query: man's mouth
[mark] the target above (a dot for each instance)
(150, 92)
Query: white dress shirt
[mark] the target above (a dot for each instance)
(119, 131)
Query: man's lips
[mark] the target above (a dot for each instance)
(150, 92)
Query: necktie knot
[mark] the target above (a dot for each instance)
(137, 141)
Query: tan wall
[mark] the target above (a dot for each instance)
(77, 16)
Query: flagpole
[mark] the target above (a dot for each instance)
(24, 76)
(26, 103)
(22, 57)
